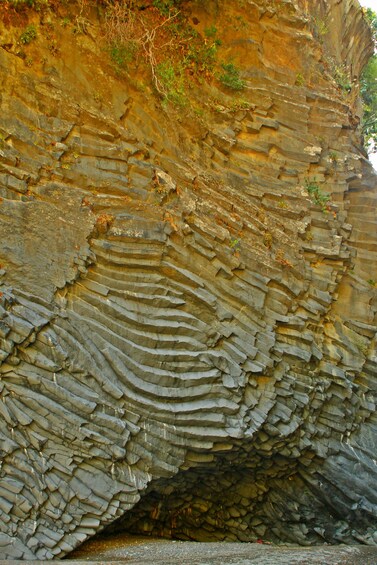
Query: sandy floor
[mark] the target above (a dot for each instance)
(143, 551)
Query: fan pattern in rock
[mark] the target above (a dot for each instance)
(181, 321)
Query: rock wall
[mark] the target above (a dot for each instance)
(187, 331)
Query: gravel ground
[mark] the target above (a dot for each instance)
(151, 551)
(142, 551)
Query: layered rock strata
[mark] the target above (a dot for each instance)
(188, 336)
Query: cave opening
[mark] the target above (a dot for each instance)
(239, 496)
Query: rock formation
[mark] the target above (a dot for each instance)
(188, 322)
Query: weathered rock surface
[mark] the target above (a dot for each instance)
(180, 322)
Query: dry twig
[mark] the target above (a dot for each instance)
(124, 26)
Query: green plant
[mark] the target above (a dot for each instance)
(140, 86)
(171, 81)
(316, 194)
(182, 32)
(129, 30)
(28, 35)
(368, 90)
(21, 54)
(202, 57)
(201, 54)
(122, 54)
(235, 245)
(342, 78)
(239, 21)
(199, 112)
(372, 282)
(231, 77)
(240, 104)
(369, 96)
(20, 5)
(65, 22)
(371, 18)
(320, 27)
(339, 72)
(210, 31)
(165, 6)
(300, 80)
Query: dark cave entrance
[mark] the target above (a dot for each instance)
(238, 497)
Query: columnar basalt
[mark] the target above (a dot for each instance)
(186, 317)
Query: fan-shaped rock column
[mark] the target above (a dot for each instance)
(183, 319)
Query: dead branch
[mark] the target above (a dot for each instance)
(125, 26)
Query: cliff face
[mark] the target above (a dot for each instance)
(188, 323)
